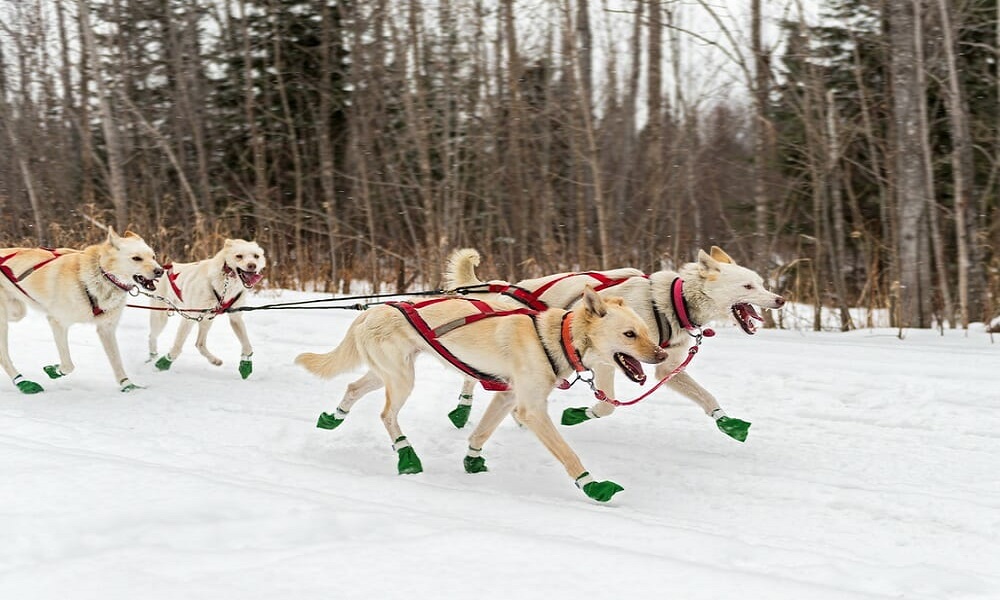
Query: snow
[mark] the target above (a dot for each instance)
(870, 472)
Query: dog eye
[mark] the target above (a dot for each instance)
(748, 286)
(239, 257)
(137, 258)
(630, 334)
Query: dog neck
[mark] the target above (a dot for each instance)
(558, 332)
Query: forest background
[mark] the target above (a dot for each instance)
(849, 151)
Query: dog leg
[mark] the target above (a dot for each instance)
(157, 322)
(369, 382)
(201, 342)
(685, 385)
(182, 332)
(604, 379)
(533, 415)
(106, 332)
(498, 409)
(61, 334)
(246, 350)
(26, 387)
(460, 415)
(398, 386)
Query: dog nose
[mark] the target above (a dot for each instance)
(157, 272)
(660, 355)
(780, 301)
(251, 266)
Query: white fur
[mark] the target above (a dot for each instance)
(59, 289)
(199, 282)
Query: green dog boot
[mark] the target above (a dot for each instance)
(474, 463)
(128, 386)
(734, 428)
(27, 387)
(164, 363)
(246, 367)
(328, 421)
(602, 491)
(409, 462)
(575, 416)
(460, 416)
(53, 371)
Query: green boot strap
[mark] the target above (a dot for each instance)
(164, 363)
(26, 386)
(328, 421)
(460, 416)
(246, 365)
(128, 386)
(734, 428)
(53, 371)
(575, 416)
(409, 462)
(602, 491)
(474, 462)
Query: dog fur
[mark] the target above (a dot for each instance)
(515, 348)
(715, 288)
(60, 289)
(207, 284)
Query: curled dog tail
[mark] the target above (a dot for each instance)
(461, 270)
(342, 358)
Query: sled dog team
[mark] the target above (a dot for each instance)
(520, 340)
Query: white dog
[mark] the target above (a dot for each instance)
(676, 304)
(211, 286)
(74, 286)
(525, 350)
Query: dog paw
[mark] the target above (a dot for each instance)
(328, 421)
(734, 428)
(29, 387)
(246, 368)
(53, 371)
(602, 491)
(216, 361)
(574, 416)
(475, 464)
(460, 416)
(164, 363)
(128, 386)
(409, 462)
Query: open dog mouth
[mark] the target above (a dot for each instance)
(148, 284)
(745, 313)
(249, 278)
(631, 367)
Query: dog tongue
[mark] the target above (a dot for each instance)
(751, 311)
(250, 279)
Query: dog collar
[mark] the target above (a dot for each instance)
(682, 311)
(567, 344)
(118, 282)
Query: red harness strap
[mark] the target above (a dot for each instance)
(16, 279)
(172, 278)
(409, 309)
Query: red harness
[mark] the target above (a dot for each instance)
(15, 280)
(431, 335)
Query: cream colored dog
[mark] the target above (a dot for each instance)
(215, 284)
(713, 288)
(530, 352)
(74, 286)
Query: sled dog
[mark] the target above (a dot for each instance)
(213, 285)
(674, 304)
(74, 286)
(527, 351)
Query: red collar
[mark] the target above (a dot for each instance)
(567, 345)
(118, 282)
(682, 312)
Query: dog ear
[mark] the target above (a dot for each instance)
(720, 255)
(708, 267)
(594, 303)
(131, 234)
(113, 237)
(228, 243)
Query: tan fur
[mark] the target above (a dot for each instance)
(711, 284)
(59, 289)
(196, 282)
(507, 347)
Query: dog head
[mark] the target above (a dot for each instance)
(245, 259)
(128, 258)
(733, 289)
(616, 334)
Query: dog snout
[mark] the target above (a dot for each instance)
(251, 266)
(779, 302)
(659, 355)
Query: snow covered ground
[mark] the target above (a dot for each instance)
(871, 471)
